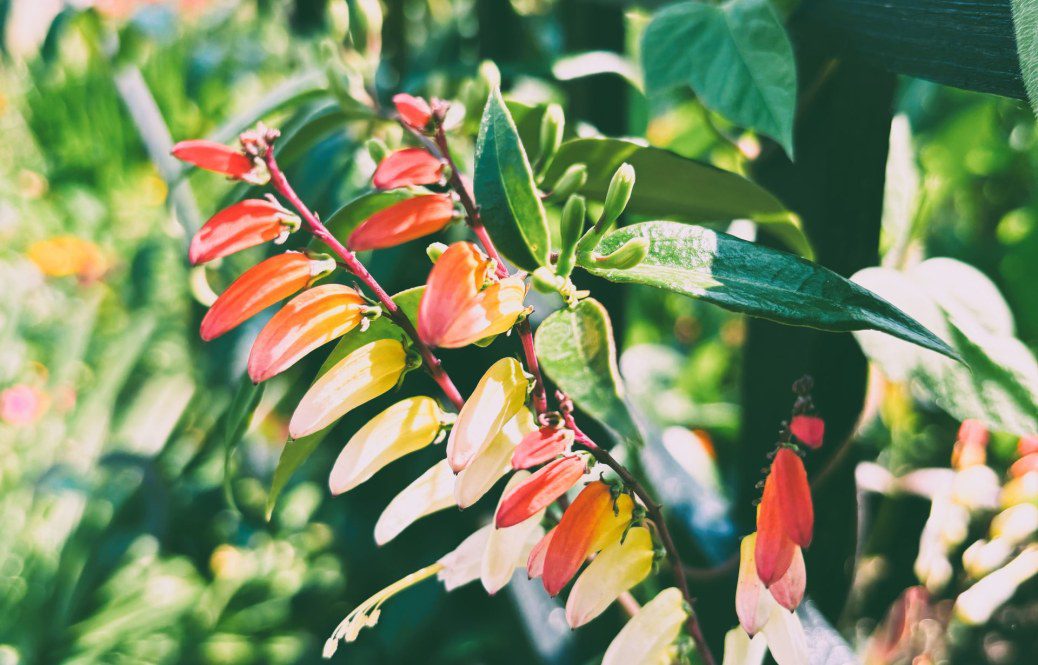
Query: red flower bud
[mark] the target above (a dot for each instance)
(260, 287)
(809, 430)
(785, 518)
(404, 221)
(410, 166)
(540, 446)
(213, 156)
(414, 111)
(539, 490)
(246, 224)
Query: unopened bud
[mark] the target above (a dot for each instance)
(571, 227)
(552, 125)
(435, 250)
(377, 149)
(574, 178)
(544, 281)
(627, 256)
(619, 193)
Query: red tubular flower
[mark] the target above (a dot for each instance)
(539, 490)
(788, 591)
(414, 111)
(245, 224)
(576, 534)
(540, 446)
(260, 287)
(213, 156)
(785, 518)
(410, 219)
(462, 303)
(407, 167)
(774, 550)
(312, 318)
(809, 430)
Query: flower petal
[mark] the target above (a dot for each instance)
(314, 317)
(213, 156)
(739, 649)
(611, 525)
(498, 396)
(535, 562)
(649, 634)
(407, 167)
(464, 563)
(539, 491)
(414, 111)
(260, 287)
(785, 637)
(788, 591)
(491, 312)
(245, 224)
(509, 547)
(774, 550)
(403, 428)
(616, 569)
(431, 492)
(575, 534)
(491, 465)
(793, 495)
(541, 446)
(752, 600)
(364, 374)
(809, 430)
(402, 222)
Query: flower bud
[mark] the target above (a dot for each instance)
(489, 466)
(378, 150)
(508, 547)
(539, 490)
(498, 396)
(616, 569)
(649, 635)
(627, 256)
(571, 227)
(618, 194)
(402, 222)
(552, 125)
(1016, 524)
(407, 167)
(571, 181)
(243, 225)
(219, 158)
(809, 430)
(431, 492)
(435, 250)
(541, 445)
(544, 280)
(414, 111)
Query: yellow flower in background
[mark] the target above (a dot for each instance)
(498, 396)
(69, 256)
(649, 636)
(403, 428)
(615, 570)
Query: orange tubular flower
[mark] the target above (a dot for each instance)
(213, 156)
(414, 111)
(402, 222)
(785, 518)
(246, 224)
(809, 430)
(539, 490)
(540, 446)
(260, 287)
(410, 166)
(462, 303)
(313, 318)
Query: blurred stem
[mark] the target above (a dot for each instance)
(432, 364)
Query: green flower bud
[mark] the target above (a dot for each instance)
(552, 125)
(627, 256)
(435, 250)
(544, 281)
(572, 180)
(571, 227)
(619, 193)
(377, 149)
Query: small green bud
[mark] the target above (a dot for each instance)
(552, 125)
(570, 182)
(619, 193)
(571, 226)
(543, 281)
(627, 256)
(435, 250)
(377, 149)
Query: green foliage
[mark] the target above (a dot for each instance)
(735, 56)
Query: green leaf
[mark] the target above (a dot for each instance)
(670, 186)
(1025, 25)
(292, 457)
(238, 416)
(509, 204)
(736, 56)
(998, 383)
(576, 349)
(756, 280)
(343, 221)
(292, 92)
(309, 131)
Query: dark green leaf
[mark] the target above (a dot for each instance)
(756, 280)
(509, 204)
(576, 349)
(310, 130)
(292, 457)
(736, 56)
(669, 186)
(236, 423)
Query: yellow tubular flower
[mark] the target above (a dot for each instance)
(618, 568)
(497, 397)
(648, 636)
(464, 563)
(489, 466)
(403, 428)
(431, 492)
(739, 649)
(611, 527)
(509, 546)
(361, 376)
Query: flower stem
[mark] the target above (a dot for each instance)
(350, 261)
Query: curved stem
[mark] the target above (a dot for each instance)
(350, 261)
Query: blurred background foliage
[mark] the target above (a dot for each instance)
(132, 535)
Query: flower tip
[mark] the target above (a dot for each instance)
(809, 430)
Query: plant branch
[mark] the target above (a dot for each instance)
(349, 260)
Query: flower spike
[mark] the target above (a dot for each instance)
(402, 222)
(407, 167)
(243, 225)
